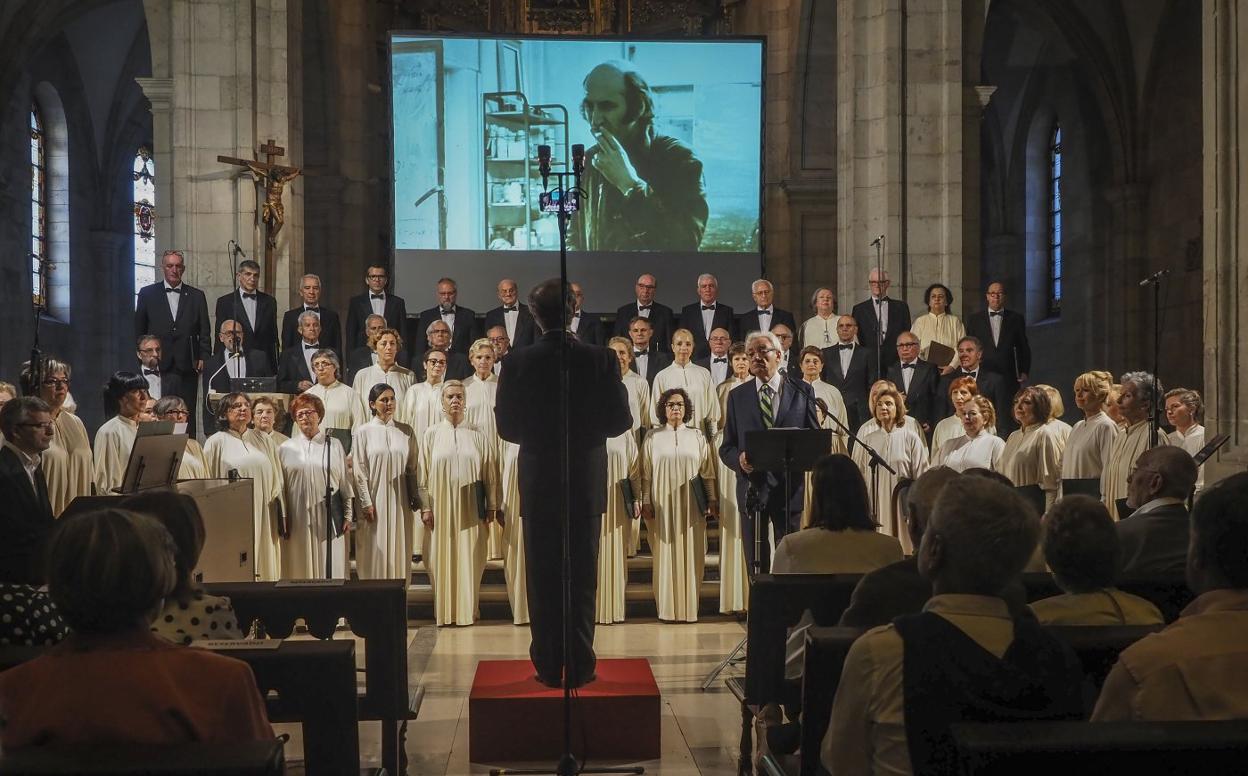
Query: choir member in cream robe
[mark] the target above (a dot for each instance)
(386, 370)
(694, 380)
(173, 408)
(1033, 453)
(1135, 403)
(344, 409)
(1057, 408)
(264, 418)
(672, 456)
(1091, 439)
(820, 329)
(960, 391)
(901, 448)
(1184, 409)
(480, 389)
(304, 459)
(8, 392)
(638, 391)
(67, 463)
(812, 366)
(454, 457)
(253, 455)
(127, 392)
(977, 448)
(421, 407)
(734, 576)
(623, 465)
(384, 457)
(938, 325)
(871, 424)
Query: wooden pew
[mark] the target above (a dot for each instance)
(1099, 748)
(777, 602)
(375, 611)
(246, 758)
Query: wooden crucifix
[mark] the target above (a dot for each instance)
(273, 177)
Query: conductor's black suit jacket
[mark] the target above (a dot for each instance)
(182, 342)
(25, 519)
(528, 413)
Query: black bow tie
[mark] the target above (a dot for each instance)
(720, 360)
(509, 309)
(708, 307)
(907, 366)
(576, 315)
(444, 311)
(995, 313)
(316, 346)
(316, 310)
(178, 290)
(644, 306)
(249, 296)
(151, 372)
(640, 353)
(378, 296)
(970, 374)
(764, 312)
(839, 348)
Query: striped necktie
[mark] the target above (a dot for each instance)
(765, 396)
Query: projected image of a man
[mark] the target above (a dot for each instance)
(644, 191)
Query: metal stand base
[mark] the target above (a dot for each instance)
(568, 766)
(735, 657)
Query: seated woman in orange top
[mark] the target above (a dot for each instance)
(112, 680)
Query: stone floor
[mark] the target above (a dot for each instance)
(701, 730)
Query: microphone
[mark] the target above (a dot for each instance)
(543, 162)
(236, 249)
(578, 159)
(877, 241)
(1155, 277)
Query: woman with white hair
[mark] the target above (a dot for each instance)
(480, 389)
(343, 407)
(638, 391)
(819, 330)
(173, 408)
(459, 495)
(1135, 402)
(694, 380)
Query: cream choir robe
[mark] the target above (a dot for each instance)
(1128, 446)
(831, 396)
(638, 391)
(383, 455)
(254, 455)
(303, 469)
(1062, 429)
(421, 408)
(613, 541)
(400, 378)
(671, 458)
(344, 409)
(905, 452)
(276, 437)
(193, 465)
(479, 398)
(1033, 456)
(981, 451)
(734, 577)
(946, 329)
(909, 423)
(67, 463)
(947, 429)
(514, 567)
(820, 332)
(113, 442)
(1192, 442)
(1088, 447)
(696, 381)
(452, 460)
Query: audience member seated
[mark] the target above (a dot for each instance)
(897, 588)
(1081, 548)
(189, 613)
(1197, 668)
(1154, 537)
(111, 680)
(964, 658)
(28, 617)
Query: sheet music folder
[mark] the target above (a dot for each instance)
(768, 450)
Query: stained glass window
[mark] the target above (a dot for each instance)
(1055, 223)
(38, 207)
(144, 219)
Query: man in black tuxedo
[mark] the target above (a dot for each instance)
(648, 360)
(718, 362)
(705, 315)
(364, 356)
(530, 413)
(765, 314)
(294, 374)
(788, 359)
(767, 401)
(232, 359)
(376, 300)
(586, 327)
(1004, 336)
(659, 315)
(254, 309)
(848, 367)
(461, 321)
(989, 384)
(917, 380)
(438, 337)
(178, 314)
(510, 314)
(310, 293)
(896, 317)
(25, 511)
(1153, 540)
(159, 383)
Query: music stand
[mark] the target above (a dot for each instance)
(154, 462)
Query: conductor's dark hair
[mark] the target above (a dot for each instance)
(549, 303)
(839, 496)
(375, 393)
(660, 407)
(638, 101)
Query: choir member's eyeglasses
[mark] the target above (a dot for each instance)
(56, 383)
(301, 414)
(675, 405)
(436, 361)
(46, 426)
(178, 414)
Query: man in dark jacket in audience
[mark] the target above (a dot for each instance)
(1153, 539)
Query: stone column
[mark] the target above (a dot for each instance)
(1225, 114)
(221, 84)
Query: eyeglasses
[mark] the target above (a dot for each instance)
(907, 344)
(46, 426)
(178, 414)
(436, 361)
(56, 383)
(649, 286)
(376, 277)
(676, 405)
(149, 350)
(1140, 470)
(305, 413)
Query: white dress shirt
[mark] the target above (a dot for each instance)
(236, 365)
(776, 382)
(153, 382)
(510, 317)
(307, 355)
(719, 369)
(770, 313)
(173, 299)
(641, 362)
(644, 313)
(448, 317)
(847, 355)
(377, 302)
(994, 323)
(708, 318)
(881, 312)
(249, 308)
(907, 375)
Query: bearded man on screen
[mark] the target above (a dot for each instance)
(643, 192)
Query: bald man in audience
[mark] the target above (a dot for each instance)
(1154, 537)
(964, 657)
(1197, 668)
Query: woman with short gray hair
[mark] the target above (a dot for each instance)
(1135, 402)
(68, 463)
(343, 406)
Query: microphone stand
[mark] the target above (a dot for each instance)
(564, 201)
(329, 510)
(880, 306)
